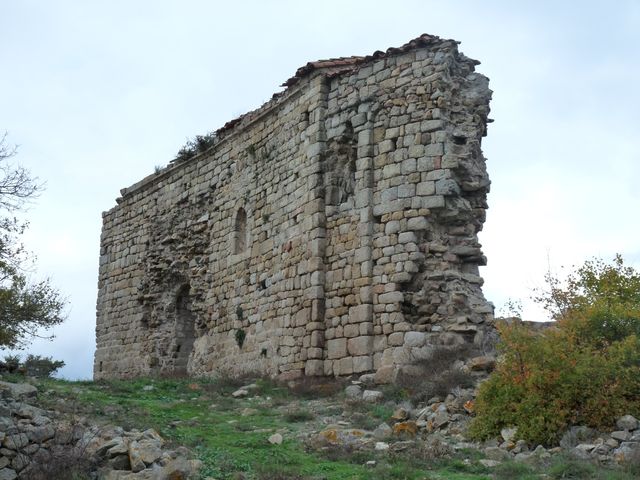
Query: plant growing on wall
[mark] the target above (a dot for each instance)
(240, 337)
(199, 144)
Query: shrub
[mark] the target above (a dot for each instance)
(584, 371)
(199, 144)
(41, 367)
(10, 364)
(34, 365)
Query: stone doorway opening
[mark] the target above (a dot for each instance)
(185, 333)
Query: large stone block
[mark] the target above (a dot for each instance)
(314, 368)
(337, 348)
(344, 366)
(390, 297)
(361, 313)
(415, 339)
(362, 364)
(385, 374)
(360, 346)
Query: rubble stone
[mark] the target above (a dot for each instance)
(627, 422)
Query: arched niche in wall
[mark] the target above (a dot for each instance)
(184, 329)
(341, 165)
(240, 234)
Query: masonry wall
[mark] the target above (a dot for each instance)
(331, 232)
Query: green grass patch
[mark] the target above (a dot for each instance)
(231, 435)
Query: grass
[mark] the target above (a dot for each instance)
(297, 416)
(512, 469)
(203, 416)
(231, 435)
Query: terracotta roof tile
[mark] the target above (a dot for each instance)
(345, 64)
(336, 66)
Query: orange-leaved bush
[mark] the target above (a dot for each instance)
(585, 370)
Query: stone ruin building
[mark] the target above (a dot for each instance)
(332, 231)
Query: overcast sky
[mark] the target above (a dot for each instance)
(98, 93)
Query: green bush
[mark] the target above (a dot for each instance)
(33, 365)
(41, 367)
(10, 364)
(583, 371)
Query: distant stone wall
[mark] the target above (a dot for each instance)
(333, 231)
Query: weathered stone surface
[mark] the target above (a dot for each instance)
(120, 462)
(8, 474)
(353, 391)
(486, 363)
(496, 453)
(181, 469)
(312, 233)
(583, 450)
(627, 422)
(135, 459)
(338, 436)
(372, 396)
(362, 364)
(627, 451)
(337, 348)
(509, 434)
(40, 434)
(360, 346)
(385, 374)
(576, 435)
(415, 339)
(400, 414)
(20, 461)
(149, 450)
(240, 393)
(15, 442)
(407, 429)
(382, 431)
(19, 390)
(621, 435)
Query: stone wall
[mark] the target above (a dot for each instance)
(333, 231)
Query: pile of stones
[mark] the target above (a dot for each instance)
(446, 420)
(616, 447)
(41, 444)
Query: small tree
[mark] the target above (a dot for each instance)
(41, 367)
(599, 302)
(583, 371)
(25, 308)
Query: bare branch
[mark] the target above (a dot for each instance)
(5, 150)
(17, 186)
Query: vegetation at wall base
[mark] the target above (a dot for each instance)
(230, 435)
(583, 371)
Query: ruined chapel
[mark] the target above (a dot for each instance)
(332, 231)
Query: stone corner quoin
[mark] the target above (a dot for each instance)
(332, 231)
